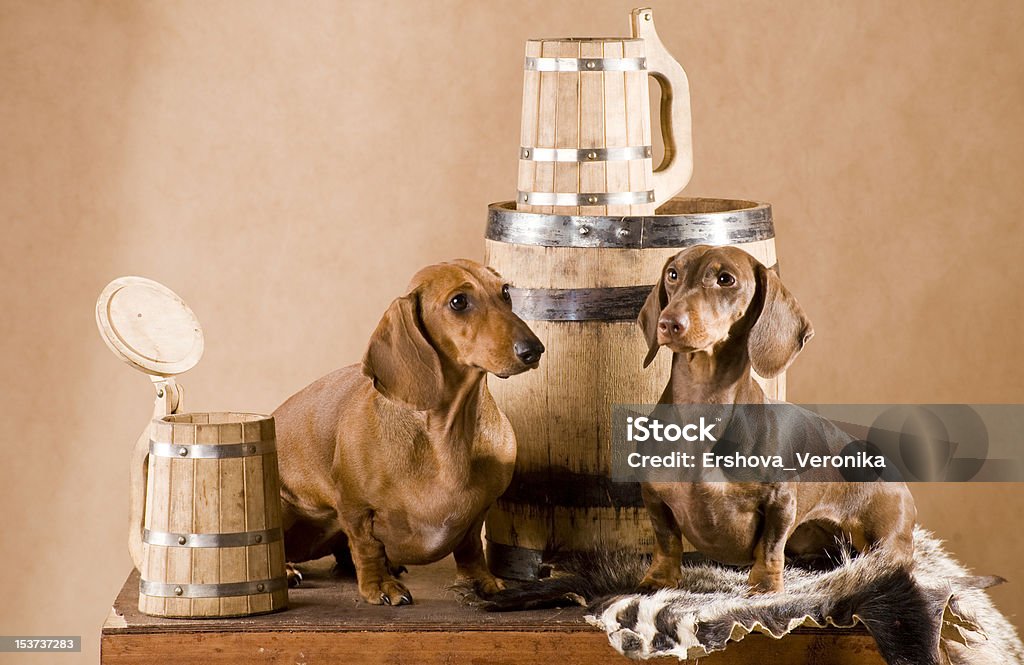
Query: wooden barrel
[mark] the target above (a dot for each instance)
(580, 282)
(212, 541)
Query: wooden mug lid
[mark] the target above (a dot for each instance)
(149, 327)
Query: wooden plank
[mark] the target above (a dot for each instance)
(617, 173)
(257, 557)
(206, 517)
(233, 563)
(272, 505)
(544, 177)
(497, 648)
(158, 505)
(567, 125)
(181, 482)
(591, 125)
(638, 126)
(528, 126)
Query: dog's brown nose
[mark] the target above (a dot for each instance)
(674, 326)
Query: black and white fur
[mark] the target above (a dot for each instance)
(935, 614)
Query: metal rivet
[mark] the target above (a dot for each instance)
(584, 230)
(591, 199)
(160, 393)
(260, 587)
(259, 539)
(178, 591)
(591, 64)
(650, 196)
(591, 155)
(183, 452)
(182, 540)
(647, 16)
(623, 233)
(648, 151)
(526, 154)
(251, 450)
(526, 198)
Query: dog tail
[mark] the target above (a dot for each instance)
(578, 578)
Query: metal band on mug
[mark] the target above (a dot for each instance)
(585, 154)
(585, 199)
(161, 590)
(611, 303)
(205, 451)
(239, 539)
(534, 64)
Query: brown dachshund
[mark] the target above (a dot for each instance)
(397, 460)
(721, 312)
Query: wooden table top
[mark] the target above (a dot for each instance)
(327, 622)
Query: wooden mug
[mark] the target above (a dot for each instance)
(586, 126)
(205, 514)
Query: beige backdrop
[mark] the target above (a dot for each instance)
(286, 167)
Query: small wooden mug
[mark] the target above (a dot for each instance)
(586, 126)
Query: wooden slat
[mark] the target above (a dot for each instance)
(638, 125)
(158, 505)
(233, 562)
(206, 517)
(567, 125)
(617, 173)
(258, 559)
(591, 125)
(179, 559)
(272, 506)
(528, 128)
(544, 179)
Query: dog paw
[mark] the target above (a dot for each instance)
(765, 582)
(293, 574)
(652, 583)
(388, 592)
(488, 586)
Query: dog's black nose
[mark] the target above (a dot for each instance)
(528, 351)
(674, 326)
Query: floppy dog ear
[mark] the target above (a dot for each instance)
(781, 330)
(401, 361)
(656, 301)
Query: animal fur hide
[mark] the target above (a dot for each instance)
(934, 614)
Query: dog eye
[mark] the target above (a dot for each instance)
(505, 294)
(459, 302)
(672, 274)
(725, 279)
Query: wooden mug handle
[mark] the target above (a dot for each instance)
(169, 399)
(675, 170)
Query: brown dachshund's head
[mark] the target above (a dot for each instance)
(707, 295)
(456, 315)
